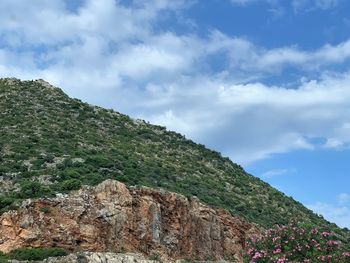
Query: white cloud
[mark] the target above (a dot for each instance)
(301, 5)
(297, 5)
(50, 22)
(277, 172)
(253, 121)
(116, 56)
(343, 198)
(243, 2)
(257, 59)
(333, 213)
(333, 143)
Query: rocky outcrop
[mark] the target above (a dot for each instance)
(112, 217)
(89, 257)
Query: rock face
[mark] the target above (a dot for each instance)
(112, 217)
(88, 257)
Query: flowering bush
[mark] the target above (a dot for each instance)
(296, 243)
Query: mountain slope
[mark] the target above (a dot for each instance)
(51, 143)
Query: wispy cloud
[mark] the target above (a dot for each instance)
(340, 214)
(296, 5)
(245, 57)
(253, 121)
(243, 2)
(343, 198)
(277, 172)
(121, 53)
(301, 5)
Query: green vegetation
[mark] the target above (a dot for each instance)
(297, 242)
(45, 210)
(155, 257)
(3, 258)
(31, 254)
(50, 143)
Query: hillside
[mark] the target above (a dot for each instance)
(52, 144)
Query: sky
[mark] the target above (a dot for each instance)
(265, 82)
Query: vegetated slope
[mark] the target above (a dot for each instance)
(51, 143)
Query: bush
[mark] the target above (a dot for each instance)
(36, 253)
(45, 210)
(31, 189)
(296, 243)
(5, 201)
(3, 258)
(71, 184)
(100, 161)
(155, 257)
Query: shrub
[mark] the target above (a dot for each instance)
(3, 258)
(31, 189)
(5, 201)
(99, 161)
(296, 242)
(36, 253)
(45, 210)
(71, 184)
(155, 257)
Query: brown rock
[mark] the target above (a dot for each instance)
(97, 257)
(112, 217)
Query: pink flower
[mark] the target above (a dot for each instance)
(275, 238)
(332, 243)
(314, 231)
(277, 251)
(346, 254)
(257, 255)
(325, 234)
(281, 260)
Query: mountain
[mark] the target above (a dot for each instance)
(51, 144)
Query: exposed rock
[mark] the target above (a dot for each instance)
(108, 257)
(88, 257)
(112, 217)
(45, 84)
(11, 81)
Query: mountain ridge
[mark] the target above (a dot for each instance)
(51, 143)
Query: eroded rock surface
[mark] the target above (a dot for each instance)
(113, 217)
(88, 257)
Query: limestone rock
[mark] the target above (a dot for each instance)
(113, 217)
(88, 257)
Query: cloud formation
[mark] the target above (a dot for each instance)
(333, 213)
(277, 172)
(343, 198)
(120, 56)
(252, 121)
(297, 5)
(312, 4)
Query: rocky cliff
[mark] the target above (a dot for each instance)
(116, 218)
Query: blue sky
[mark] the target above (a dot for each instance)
(265, 82)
